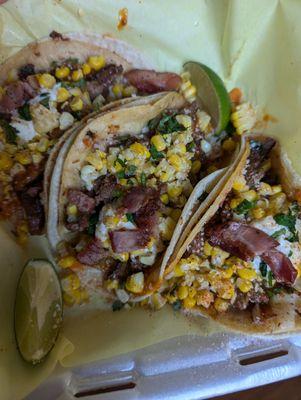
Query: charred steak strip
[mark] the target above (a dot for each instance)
(83, 202)
(149, 81)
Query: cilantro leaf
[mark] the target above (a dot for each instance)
(286, 220)
(278, 233)
(10, 131)
(263, 268)
(244, 207)
(24, 112)
(120, 174)
(155, 153)
(45, 102)
(92, 224)
(130, 217)
(270, 278)
(72, 60)
(190, 146)
(117, 305)
(143, 179)
(169, 124)
(81, 83)
(120, 161)
(131, 169)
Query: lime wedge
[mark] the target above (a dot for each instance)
(38, 310)
(211, 93)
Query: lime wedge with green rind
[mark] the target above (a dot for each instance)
(38, 310)
(211, 93)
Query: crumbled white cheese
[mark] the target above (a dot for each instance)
(88, 175)
(25, 129)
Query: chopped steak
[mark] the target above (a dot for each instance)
(79, 225)
(126, 240)
(31, 202)
(105, 187)
(83, 202)
(149, 81)
(25, 71)
(93, 253)
(24, 178)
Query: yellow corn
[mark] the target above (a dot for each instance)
(96, 62)
(277, 202)
(76, 104)
(158, 142)
(164, 177)
(6, 161)
(196, 166)
(182, 292)
(72, 210)
(46, 80)
(112, 284)
(258, 213)
(174, 191)
(117, 90)
(240, 184)
(276, 189)
(207, 249)
(123, 182)
(77, 75)
(176, 213)
(178, 271)
(189, 302)
(94, 159)
(227, 273)
(226, 290)
(23, 157)
(249, 195)
(140, 149)
(247, 273)
(43, 145)
(68, 299)
(191, 292)
(135, 283)
(169, 228)
(184, 120)
(86, 69)
(234, 203)
(71, 283)
(62, 95)
(265, 189)
(244, 285)
(176, 162)
(164, 198)
(204, 298)
(229, 144)
(37, 158)
(75, 92)
(67, 262)
(221, 305)
(128, 91)
(62, 72)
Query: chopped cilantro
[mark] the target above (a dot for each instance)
(45, 102)
(131, 169)
(289, 221)
(92, 224)
(290, 253)
(117, 305)
(120, 174)
(190, 146)
(72, 60)
(270, 278)
(10, 131)
(278, 233)
(273, 292)
(263, 268)
(155, 153)
(130, 182)
(153, 123)
(24, 112)
(169, 124)
(120, 161)
(117, 193)
(143, 179)
(53, 64)
(130, 217)
(177, 305)
(81, 83)
(244, 207)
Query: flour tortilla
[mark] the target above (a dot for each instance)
(285, 309)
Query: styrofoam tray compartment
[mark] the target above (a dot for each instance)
(187, 367)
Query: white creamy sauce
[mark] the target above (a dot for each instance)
(25, 129)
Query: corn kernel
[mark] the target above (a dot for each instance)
(68, 299)
(6, 161)
(72, 210)
(128, 91)
(184, 120)
(75, 91)
(123, 182)
(218, 256)
(176, 162)
(182, 292)
(158, 142)
(277, 202)
(117, 90)
(140, 149)
(169, 228)
(86, 69)
(46, 80)
(240, 184)
(176, 213)
(207, 249)
(234, 203)
(204, 298)
(43, 145)
(164, 177)
(77, 75)
(265, 189)
(229, 145)
(112, 284)
(174, 191)
(276, 189)
(247, 273)
(221, 305)
(76, 104)
(258, 213)
(37, 158)
(164, 198)
(249, 195)
(67, 262)
(196, 166)
(135, 283)
(189, 302)
(96, 62)
(70, 283)
(62, 72)
(23, 157)
(178, 271)
(226, 290)
(227, 273)
(244, 285)
(62, 95)
(191, 292)
(94, 159)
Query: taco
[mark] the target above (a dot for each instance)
(123, 189)
(47, 90)
(240, 265)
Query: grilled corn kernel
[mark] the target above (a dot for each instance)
(62, 72)
(164, 177)
(196, 166)
(249, 195)
(184, 120)
(112, 284)
(174, 191)
(140, 149)
(72, 210)
(77, 75)
(240, 184)
(178, 271)
(180, 148)
(176, 162)
(70, 283)
(244, 285)
(227, 273)
(234, 203)
(204, 298)
(164, 198)
(158, 142)
(75, 91)
(43, 145)
(135, 283)
(76, 104)
(277, 202)
(258, 213)
(189, 302)
(62, 95)
(46, 80)
(123, 182)
(37, 158)
(265, 189)
(95, 160)
(191, 292)
(86, 69)
(247, 273)
(23, 157)
(6, 161)
(176, 213)
(276, 189)
(117, 90)
(226, 290)
(221, 305)
(96, 62)
(218, 256)
(207, 249)
(68, 299)
(67, 262)
(229, 144)
(170, 225)
(182, 292)
(128, 91)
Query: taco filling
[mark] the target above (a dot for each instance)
(132, 194)
(249, 251)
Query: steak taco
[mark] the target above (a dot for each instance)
(241, 263)
(121, 192)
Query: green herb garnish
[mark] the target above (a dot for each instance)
(117, 305)
(263, 268)
(273, 292)
(278, 233)
(143, 179)
(177, 305)
(45, 102)
(120, 174)
(290, 253)
(120, 161)
(131, 169)
(270, 278)
(169, 124)
(130, 217)
(72, 60)
(92, 224)
(244, 207)
(10, 131)
(190, 146)
(155, 153)
(24, 112)
(53, 64)
(81, 83)
(289, 221)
